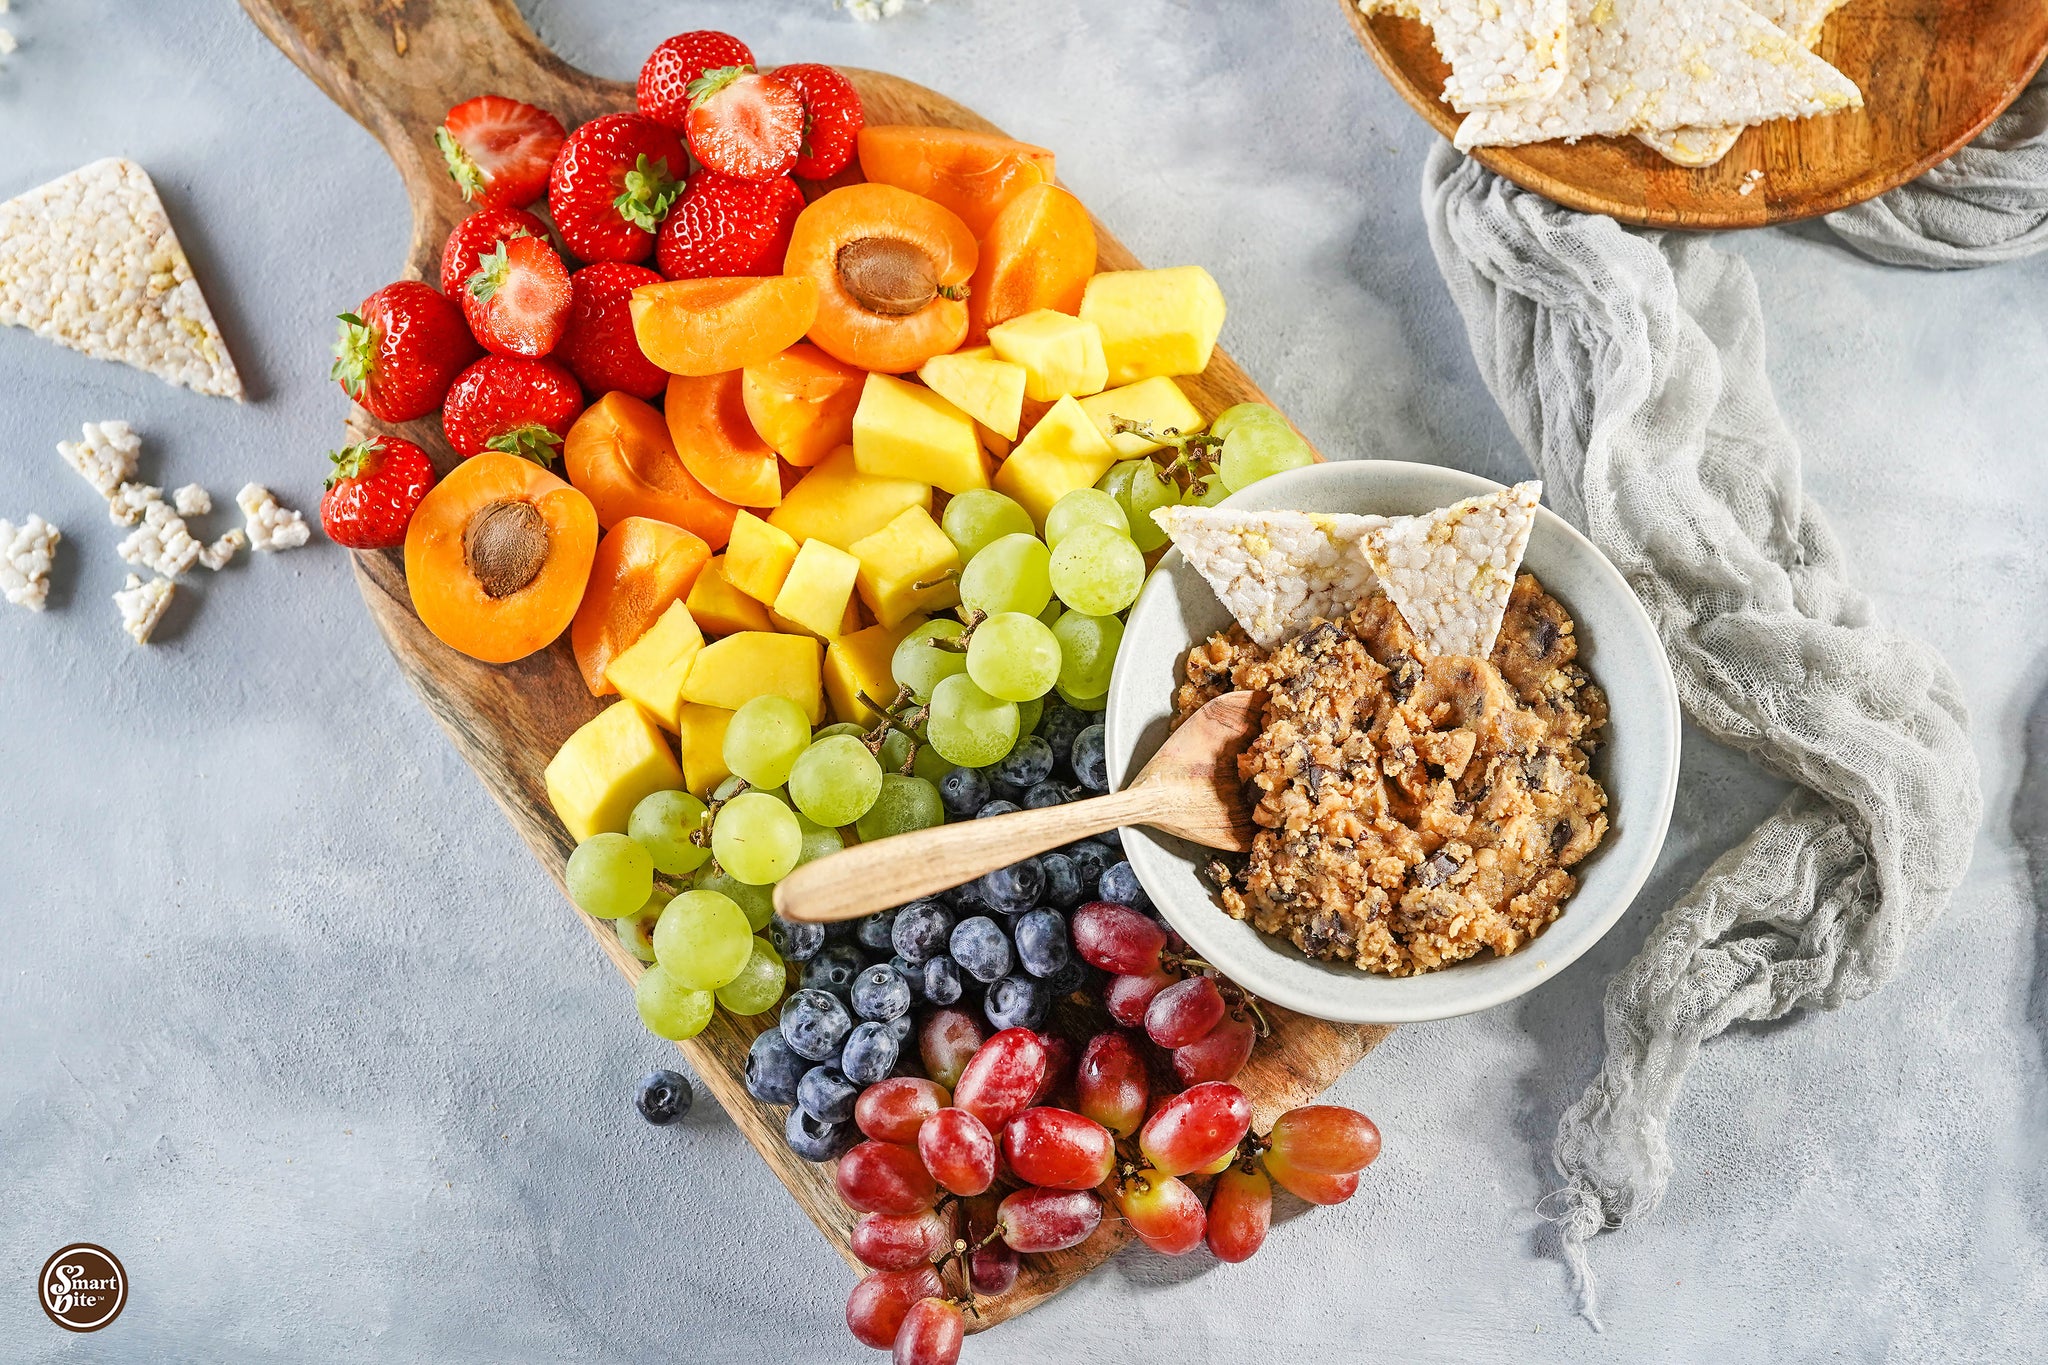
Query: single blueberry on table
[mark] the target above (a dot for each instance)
(869, 1055)
(1091, 759)
(1017, 1002)
(873, 933)
(981, 947)
(814, 1024)
(834, 969)
(1026, 765)
(1046, 794)
(795, 940)
(942, 984)
(663, 1097)
(826, 1094)
(921, 930)
(1042, 943)
(1062, 880)
(880, 993)
(774, 1068)
(1119, 883)
(814, 1140)
(964, 791)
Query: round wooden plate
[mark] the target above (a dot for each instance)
(1933, 74)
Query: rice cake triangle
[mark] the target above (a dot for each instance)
(89, 261)
(1276, 572)
(1499, 51)
(1697, 147)
(1450, 572)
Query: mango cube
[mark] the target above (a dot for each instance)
(651, 669)
(700, 735)
(604, 770)
(838, 504)
(1062, 453)
(989, 390)
(819, 590)
(861, 662)
(894, 560)
(1154, 322)
(904, 430)
(718, 607)
(731, 672)
(1157, 402)
(1062, 356)
(758, 556)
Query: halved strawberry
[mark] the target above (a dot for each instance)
(612, 181)
(510, 403)
(744, 123)
(724, 225)
(597, 342)
(833, 118)
(476, 237)
(499, 150)
(374, 490)
(398, 352)
(518, 298)
(663, 90)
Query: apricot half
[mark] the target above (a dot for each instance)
(497, 556)
(1038, 253)
(620, 453)
(699, 327)
(891, 270)
(707, 419)
(802, 403)
(973, 174)
(641, 567)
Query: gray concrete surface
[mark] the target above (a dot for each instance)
(291, 1022)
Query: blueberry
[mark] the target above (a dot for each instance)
(1058, 727)
(814, 1140)
(1089, 859)
(873, 933)
(1111, 839)
(1119, 883)
(843, 931)
(1006, 791)
(900, 1028)
(942, 981)
(1068, 979)
(912, 974)
(1062, 881)
(921, 930)
(870, 1055)
(1091, 759)
(1046, 794)
(879, 993)
(774, 1068)
(663, 1097)
(826, 1094)
(1026, 765)
(1017, 1002)
(834, 969)
(795, 940)
(814, 1024)
(1014, 889)
(980, 946)
(964, 791)
(1042, 943)
(996, 808)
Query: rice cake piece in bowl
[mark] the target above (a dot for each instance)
(1450, 572)
(1275, 572)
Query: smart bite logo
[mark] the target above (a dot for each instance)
(82, 1288)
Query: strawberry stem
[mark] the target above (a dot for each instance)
(355, 355)
(529, 442)
(468, 176)
(649, 190)
(354, 461)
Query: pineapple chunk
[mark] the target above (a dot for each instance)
(1062, 356)
(994, 444)
(818, 594)
(908, 551)
(838, 504)
(651, 669)
(989, 390)
(731, 672)
(758, 556)
(718, 607)
(700, 734)
(1062, 453)
(604, 770)
(906, 431)
(1158, 402)
(1154, 322)
(859, 663)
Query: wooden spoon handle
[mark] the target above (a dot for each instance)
(895, 871)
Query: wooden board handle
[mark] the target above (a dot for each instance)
(895, 871)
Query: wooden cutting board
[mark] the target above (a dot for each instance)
(396, 66)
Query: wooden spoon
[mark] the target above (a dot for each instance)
(1190, 789)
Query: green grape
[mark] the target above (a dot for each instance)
(1054, 609)
(730, 787)
(844, 727)
(757, 903)
(835, 781)
(610, 875)
(1097, 570)
(1206, 493)
(1245, 414)
(1079, 702)
(1256, 451)
(763, 739)
(906, 803)
(1013, 656)
(929, 764)
(1139, 491)
(670, 1009)
(636, 931)
(759, 984)
(1088, 646)
(896, 746)
(917, 666)
(969, 727)
(1084, 507)
(1028, 715)
(756, 838)
(701, 940)
(978, 518)
(819, 840)
(1010, 575)
(662, 824)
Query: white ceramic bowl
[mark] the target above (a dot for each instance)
(1638, 763)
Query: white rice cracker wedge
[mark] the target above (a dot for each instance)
(1275, 571)
(1643, 65)
(1499, 50)
(1449, 572)
(1697, 147)
(89, 261)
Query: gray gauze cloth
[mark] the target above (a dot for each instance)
(1631, 367)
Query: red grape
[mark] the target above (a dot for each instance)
(993, 1268)
(1002, 1077)
(930, 1335)
(1117, 938)
(1059, 1066)
(947, 1040)
(885, 1177)
(1166, 1215)
(1111, 1085)
(876, 1307)
(1190, 1130)
(1219, 1056)
(1059, 1150)
(1326, 1139)
(1128, 997)
(1240, 1211)
(893, 1110)
(958, 1150)
(888, 1241)
(1316, 1189)
(1048, 1220)
(1184, 1012)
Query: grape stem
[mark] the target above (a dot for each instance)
(701, 836)
(957, 644)
(927, 584)
(902, 715)
(1192, 461)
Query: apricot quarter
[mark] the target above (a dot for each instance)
(641, 567)
(1038, 253)
(700, 327)
(802, 403)
(620, 453)
(707, 419)
(976, 175)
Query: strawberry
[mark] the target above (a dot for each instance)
(744, 123)
(612, 182)
(499, 150)
(597, 342)
(513, 404)
(832, 118)
(476, 236)
(663, 91)
(399, 351)
(373, 491)
(518, 297)
(724, 225)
